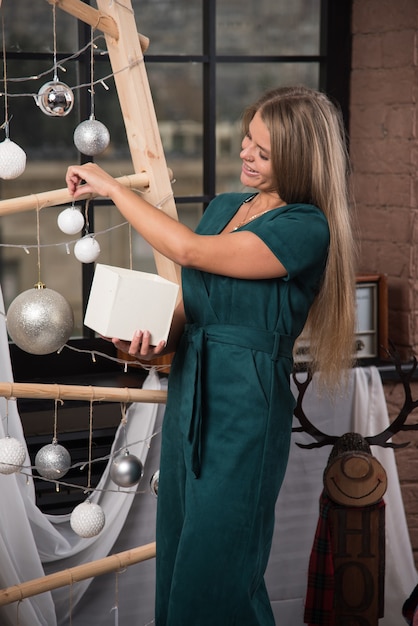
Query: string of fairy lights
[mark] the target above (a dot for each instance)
(91, 137)
(53, 461)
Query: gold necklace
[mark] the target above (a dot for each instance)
(247, 221)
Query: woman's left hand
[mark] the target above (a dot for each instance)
(140, 346)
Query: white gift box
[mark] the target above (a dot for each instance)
(122, 301)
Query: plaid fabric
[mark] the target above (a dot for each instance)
(319, 604)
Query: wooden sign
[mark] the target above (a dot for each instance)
(358, 547)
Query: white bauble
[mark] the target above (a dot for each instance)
(87, 249)
(12, 159)
(70, 221)
(87, 519)
(12, 455)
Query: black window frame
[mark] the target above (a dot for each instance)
(334, 62)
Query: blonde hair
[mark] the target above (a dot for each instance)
(310, 165)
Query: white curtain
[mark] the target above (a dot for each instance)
(32, 544)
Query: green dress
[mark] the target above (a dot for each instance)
(228, 423)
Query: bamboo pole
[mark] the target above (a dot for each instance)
(69, 576)
(61, 196)
(96, 19)
(52, 391)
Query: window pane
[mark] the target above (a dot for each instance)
(30, 27)
(58, 268)
(173, 26)
(236, 90)
(268, 27)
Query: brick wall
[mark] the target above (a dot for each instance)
(384, 153)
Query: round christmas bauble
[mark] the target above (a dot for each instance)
(91, 137)
(70, 221)
(40, 320)
(55, 99)
(87, 249)
(87, 519)
(12, 159)
(126, 470)
(53, 461)
(154, 482)
(12, 455)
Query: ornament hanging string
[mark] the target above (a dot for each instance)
(91, 74)
(6, 106)
(90, 444)
(38, 243)
(7, 418)
(55, 435)
(54, 35)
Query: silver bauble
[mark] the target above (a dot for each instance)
(12, 159)
(12, 455)
(87, 249)
(154, 482)
(70, 221)
(40, 320)
(87, 519)
(55, 99)
(53, 461)
(126, 470)
(91, 137)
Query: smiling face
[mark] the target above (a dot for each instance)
(355, 479)
(257, 171)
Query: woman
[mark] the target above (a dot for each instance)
(261, 267)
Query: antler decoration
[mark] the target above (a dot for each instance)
(322, 439)
(380, 439)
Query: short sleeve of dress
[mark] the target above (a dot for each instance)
(298, 235)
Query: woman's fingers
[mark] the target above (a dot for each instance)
(140, 345)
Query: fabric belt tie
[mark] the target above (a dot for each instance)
(272, 343)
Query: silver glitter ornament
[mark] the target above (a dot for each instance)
(87, 519)
(91, 137)
(40, 320)
(12, 159)
(55, 99)
(12, 455)
(53, 461)
(126, 470)
(154, 482)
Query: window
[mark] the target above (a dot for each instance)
(205, 62)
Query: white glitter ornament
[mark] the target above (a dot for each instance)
(91, 137)
(12, 455)
(154, 482)
(12, 159)
(55, 99)
(53, 461)
(70, 221)
(87, 519)
(126, 470)
(40, 320)
(87, 249)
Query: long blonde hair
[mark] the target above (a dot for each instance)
(310, 165)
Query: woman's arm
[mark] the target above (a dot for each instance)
(140, 345)
(238, 254)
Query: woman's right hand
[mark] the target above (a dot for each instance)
(140, 346)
